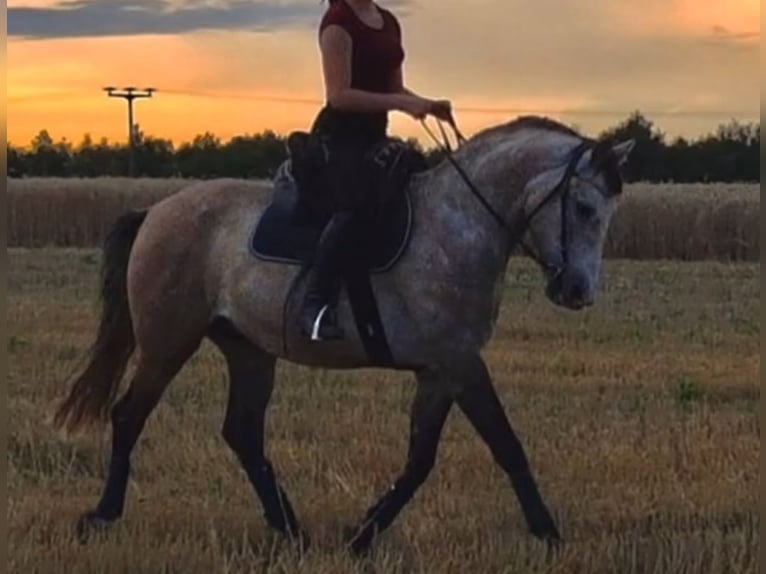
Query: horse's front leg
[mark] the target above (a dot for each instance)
(429, 411)
(465, 381)
(476, 397)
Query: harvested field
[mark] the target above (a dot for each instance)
(687, 222)
(640, 417)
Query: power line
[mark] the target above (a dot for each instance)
(610, 112)
(246, 97)
(478, 110)
(491, 110)
(45, 96)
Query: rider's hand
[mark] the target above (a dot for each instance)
(417, 107)
(441, 109)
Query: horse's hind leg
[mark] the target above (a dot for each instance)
(251, 380)
(128, 415)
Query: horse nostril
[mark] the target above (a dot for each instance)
(555, 287)
(576, 291)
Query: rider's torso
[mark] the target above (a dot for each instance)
(377, 54)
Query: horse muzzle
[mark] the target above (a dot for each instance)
(570, 289)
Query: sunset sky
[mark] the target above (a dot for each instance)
(240, 66)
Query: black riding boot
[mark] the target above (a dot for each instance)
(317, 319)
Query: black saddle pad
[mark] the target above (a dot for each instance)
(379, 238)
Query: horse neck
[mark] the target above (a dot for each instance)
(500, 166)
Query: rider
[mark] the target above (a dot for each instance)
(362, 55)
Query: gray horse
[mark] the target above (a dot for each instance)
(182, 271)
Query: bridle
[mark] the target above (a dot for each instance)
(517, 230)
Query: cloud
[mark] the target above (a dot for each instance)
(596, 55)
(723, 34)
(94, 18)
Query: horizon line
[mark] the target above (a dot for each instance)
(224, 141)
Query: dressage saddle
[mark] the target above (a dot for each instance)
(301, 206)
(303, 202)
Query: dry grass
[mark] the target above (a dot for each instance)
(76, 212)
(689, 222)
(640, 418)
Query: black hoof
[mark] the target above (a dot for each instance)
(554, 542)
(549, 534)
(358, 542)
(91, 524)
(301, 540)
(542, 526)
(554, 547)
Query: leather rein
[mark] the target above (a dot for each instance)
(516, 233)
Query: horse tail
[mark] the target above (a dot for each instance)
(95, 389)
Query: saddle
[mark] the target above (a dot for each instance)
(305, 197)
(303, 202)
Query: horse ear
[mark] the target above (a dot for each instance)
(608, 158)
(622, 150)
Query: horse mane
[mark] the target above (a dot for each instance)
(531, 122)
(601, 148)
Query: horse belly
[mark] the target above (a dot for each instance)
(265, 307)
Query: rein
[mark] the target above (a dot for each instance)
(516, 233)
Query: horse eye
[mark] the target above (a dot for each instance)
(585, 210)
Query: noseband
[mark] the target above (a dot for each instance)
(516, 232)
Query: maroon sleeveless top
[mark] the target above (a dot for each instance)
(376, 56)
(376, 53)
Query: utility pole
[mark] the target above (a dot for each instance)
(130, 94)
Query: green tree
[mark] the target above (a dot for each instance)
(254, 156)
(730, 153)
(16, 161)
(48, 158)
(201, 158)
(648, 159)
(154, 157)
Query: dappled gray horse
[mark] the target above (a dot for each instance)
(182, 271)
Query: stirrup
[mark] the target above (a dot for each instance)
(317, 324)
(336, 333)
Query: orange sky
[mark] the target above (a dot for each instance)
(689, 65)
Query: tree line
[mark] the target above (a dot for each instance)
(731, 153)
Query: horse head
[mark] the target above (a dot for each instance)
(549, 190)
(568, 232)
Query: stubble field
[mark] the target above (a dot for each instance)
(640, 418)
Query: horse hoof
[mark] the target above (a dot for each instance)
(544, 529)
(358, 542)
(554, 543)
(89, 524)
(301, 540)
(552, 540)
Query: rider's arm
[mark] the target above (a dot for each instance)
(336, 47)
(397, 84)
